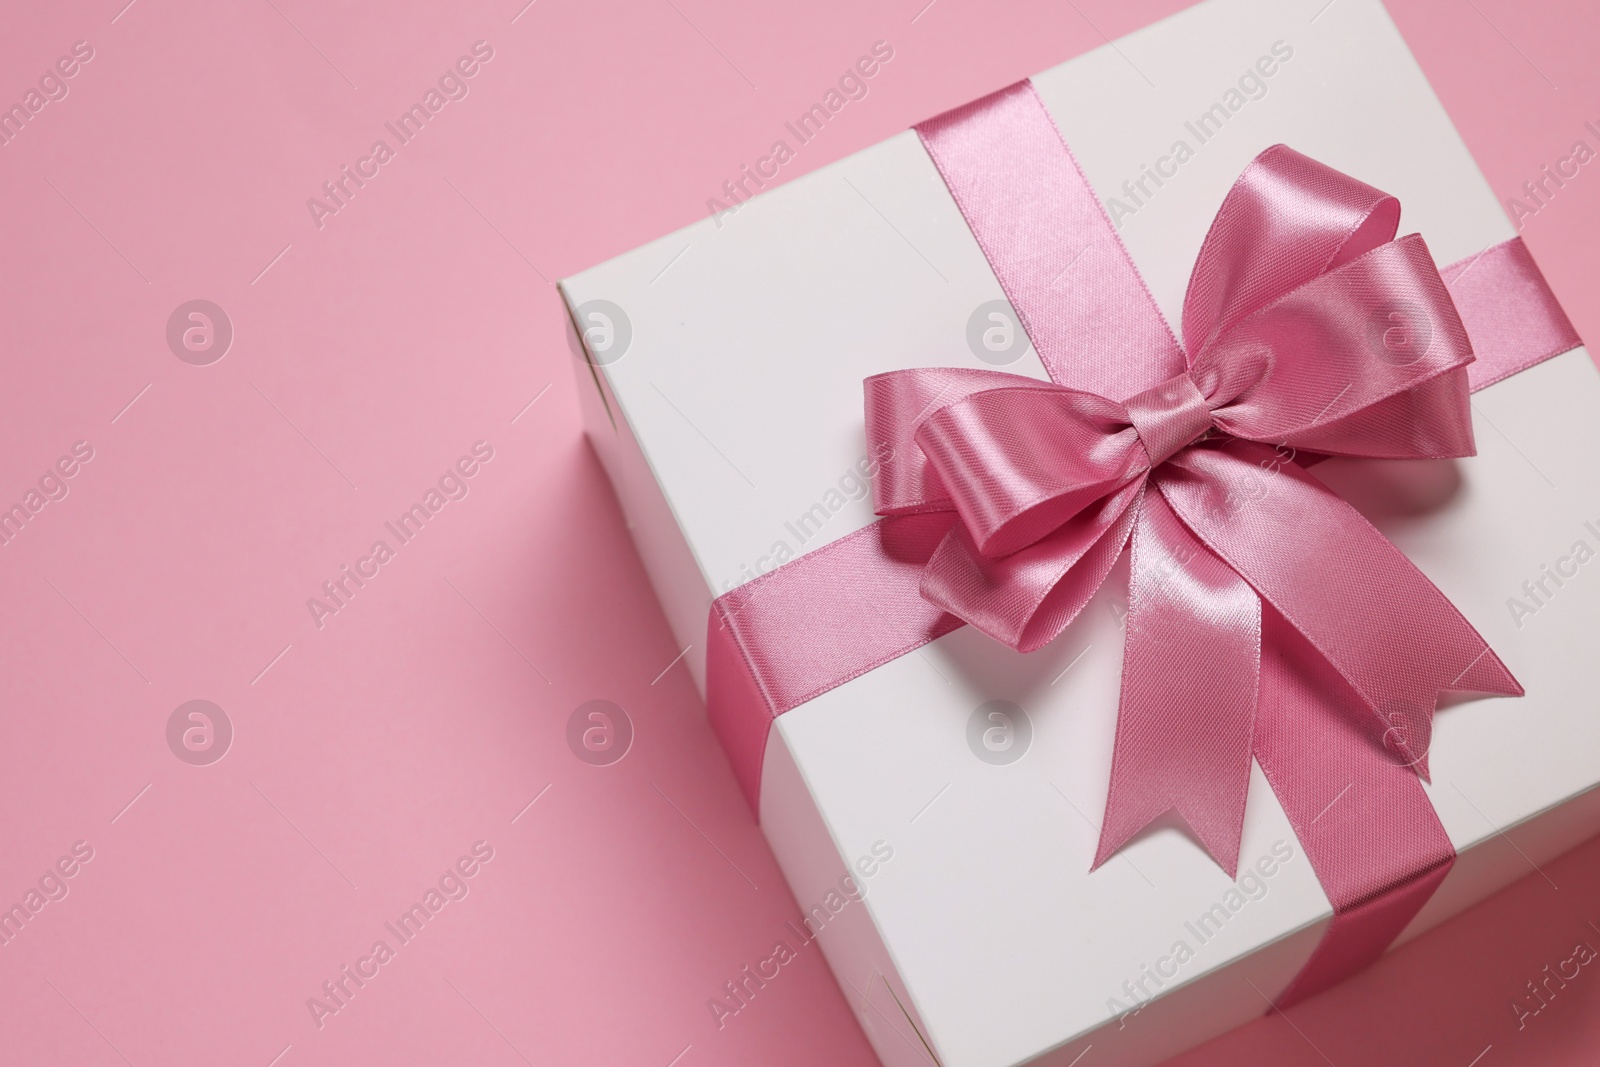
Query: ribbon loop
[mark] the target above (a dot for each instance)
(1367, 360)
(1019, 462)
(1028, 597)
(896, 404)
(1287, 220)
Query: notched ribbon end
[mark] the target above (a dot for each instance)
(1487, 674)
(1408, 730)
(1220, 838)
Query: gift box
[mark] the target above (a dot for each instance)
(942, 803)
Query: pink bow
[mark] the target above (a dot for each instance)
(1310, 331)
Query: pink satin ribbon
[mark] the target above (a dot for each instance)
(1267, 618)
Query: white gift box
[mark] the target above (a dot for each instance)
(723, 395)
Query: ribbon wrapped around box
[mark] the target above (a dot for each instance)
(1267, 618)
(1218, 574)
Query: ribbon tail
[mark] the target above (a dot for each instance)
(1189, 689)
(1366, 608)
(1361, 816)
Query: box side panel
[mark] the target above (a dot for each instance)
(821, 873)
(1512, 853)
(1192, 1014)
(674, 575)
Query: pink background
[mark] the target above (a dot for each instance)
(425, 716)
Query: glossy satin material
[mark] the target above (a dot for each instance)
(1266, 618)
